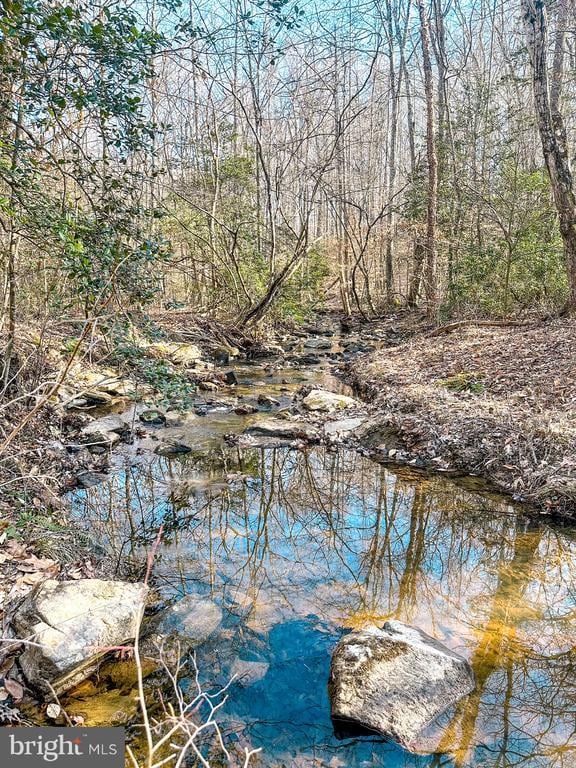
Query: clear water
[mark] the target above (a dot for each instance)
(299, 546)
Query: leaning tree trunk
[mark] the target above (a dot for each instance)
(430, 278)
(551, 124)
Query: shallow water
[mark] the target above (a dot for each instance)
(297, 546)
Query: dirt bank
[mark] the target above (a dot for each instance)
(498, 402)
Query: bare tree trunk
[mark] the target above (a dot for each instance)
(551, 124)
(394, 101)
(11, 255)
(414, 289)
(430, 277)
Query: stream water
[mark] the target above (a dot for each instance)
(297, 546)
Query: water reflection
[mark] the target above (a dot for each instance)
(296, 546)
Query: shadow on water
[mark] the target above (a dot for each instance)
(299, 546)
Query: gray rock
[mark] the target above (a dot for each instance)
(110, 423)
(191, 621)
(172, 448)
(173, 418)
(288, 430)
(89, 479)
(318, 344)
(308, 360)
(96, 397)
(318, 330)
(343, 426)
(152, 416)
(73, 622)
(248, 672)
(268, 400)
(321, 400)
(395, 680)
(245, 410)
(104, 440)
(224, 353)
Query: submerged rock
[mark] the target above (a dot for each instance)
(321, 400)
(248, 672)
(395, 680)
(190, 621)
(74, 623)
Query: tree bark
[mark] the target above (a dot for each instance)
(430, 277)
(551, 124)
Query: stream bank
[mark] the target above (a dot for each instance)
(492, 401)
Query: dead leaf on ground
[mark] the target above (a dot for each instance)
(16, 550)
(31, 579)
(34, 563)
(53, 711)
(14, 688)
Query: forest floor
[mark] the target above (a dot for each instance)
(494, 401)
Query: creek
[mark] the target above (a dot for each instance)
(299, 546)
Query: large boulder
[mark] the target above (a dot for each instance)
(72, 624)
(321, 400)
(395, 681)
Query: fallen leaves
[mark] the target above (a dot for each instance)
(14, 688)
(519, 432)
(53, 711)
(27, 569)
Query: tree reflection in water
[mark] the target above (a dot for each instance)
(297, 546)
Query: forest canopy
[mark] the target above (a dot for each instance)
(254, 159)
